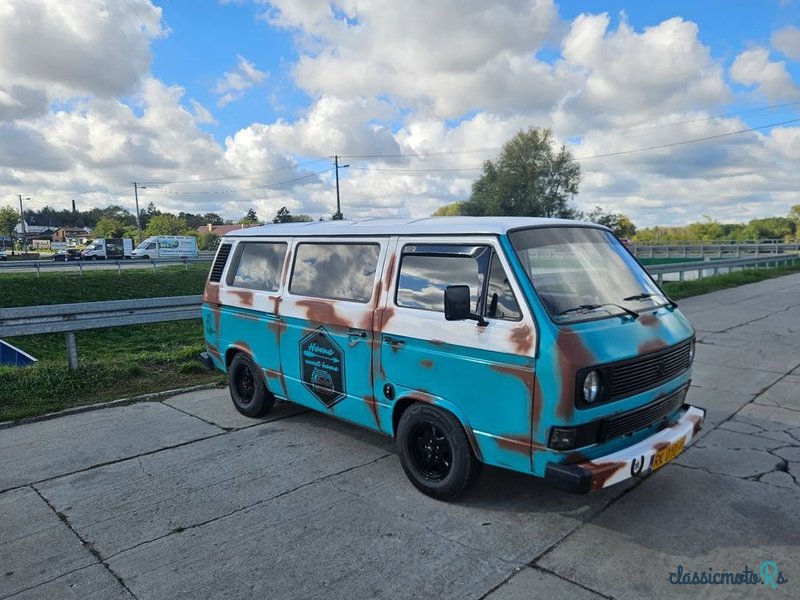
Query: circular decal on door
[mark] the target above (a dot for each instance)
(322, 367)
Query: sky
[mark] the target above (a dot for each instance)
(676, 111)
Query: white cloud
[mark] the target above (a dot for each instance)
(234, 83)
(201, 113)
(753, 67)
(787, 42)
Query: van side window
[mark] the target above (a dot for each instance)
(500, 300)
(426, 270)
(335, 271)
(259, 266)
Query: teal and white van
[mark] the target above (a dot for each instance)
(538, 345)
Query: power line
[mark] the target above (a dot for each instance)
(257, 187)
(244, 176)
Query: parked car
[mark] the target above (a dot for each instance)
(2, 254)
(536, 345)
(66, 255)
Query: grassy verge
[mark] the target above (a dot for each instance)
(114, 363)
(684, 289)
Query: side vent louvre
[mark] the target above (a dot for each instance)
(219, 263)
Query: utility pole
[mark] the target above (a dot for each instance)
(136, 188)
(337, 216)
(24, 227)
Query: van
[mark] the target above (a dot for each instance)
(537, 345)
(167, 246)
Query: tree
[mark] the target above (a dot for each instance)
(109, 228)
(337, 216)
(207, 241)
(530, 178)
(9, 218)
(167, 224)
(251, 218)
(453, 209)
(619, 223)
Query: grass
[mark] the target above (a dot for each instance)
(140, 359)
(684, 289)
(113, 363)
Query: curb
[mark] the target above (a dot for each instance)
(76, 410)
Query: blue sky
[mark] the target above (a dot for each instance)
(238, 96)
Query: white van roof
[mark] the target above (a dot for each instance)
(424, 226)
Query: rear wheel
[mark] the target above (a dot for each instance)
(435, 452)
(248, 391)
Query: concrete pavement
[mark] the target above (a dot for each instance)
(185, 498)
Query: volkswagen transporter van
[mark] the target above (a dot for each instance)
(537, 345)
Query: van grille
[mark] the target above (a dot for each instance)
(219, 263)
(640, 418)
(649, 371)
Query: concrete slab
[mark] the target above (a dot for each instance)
(35, 546)
(127, 503)
(92, 583)
(719, 404)
(317, 542)
(688, 518)
(535, 583)
(752, 355)
(509, 515)
(785, 394)
(47, 449)
(732, 379)
(215, 406)
(769, 417)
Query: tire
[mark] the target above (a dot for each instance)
(248, 391)
(435, 452)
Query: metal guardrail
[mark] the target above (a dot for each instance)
(69, 318)
(711, 249)
(714, 266)
(80, 316)
(90, 265)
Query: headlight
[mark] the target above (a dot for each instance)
(691, 352)
(591, 386)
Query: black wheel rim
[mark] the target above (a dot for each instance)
(430, 451)
(245, 385)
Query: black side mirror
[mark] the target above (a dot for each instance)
(456, 305)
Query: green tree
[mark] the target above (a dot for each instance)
(530, 178)
(9, 218)
(108, 228)
(453, 209)
(619, 223)
(166, 224)
(251, 218)
(207, 241)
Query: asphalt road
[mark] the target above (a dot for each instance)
(184, 498)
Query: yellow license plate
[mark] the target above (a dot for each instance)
(665, 455)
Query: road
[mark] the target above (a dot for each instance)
(184, 498)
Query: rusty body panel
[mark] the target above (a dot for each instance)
(509, 383)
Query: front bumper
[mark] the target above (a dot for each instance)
(633, 461)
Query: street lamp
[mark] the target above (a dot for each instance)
(24, 226)
(136, 188)
(338, 214)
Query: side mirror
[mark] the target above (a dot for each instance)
(456, 305)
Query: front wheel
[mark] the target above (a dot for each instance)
(248, 391)
(435, 452)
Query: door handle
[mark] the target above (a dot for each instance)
(393, 341)
(356, 335)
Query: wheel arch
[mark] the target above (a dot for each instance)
(403, 402)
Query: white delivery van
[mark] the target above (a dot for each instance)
(108, 248)
(167, 246)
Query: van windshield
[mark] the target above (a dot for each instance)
(581, 273)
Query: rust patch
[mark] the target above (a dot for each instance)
(245, 298)
(276, 305)
(522, 339)
(211, 297)
(660, 446)
(650, 320)
(281, 379)
(652, 346)
(321, 311)
(697, 422)
(372, 403)
(428, 364)
(239, 345)
(390, 270)
(525, 374)
(215, 352)
(536, 406)
(519, 444)
(602, 472)
(438, 343)
(277, 328)
(572, 355)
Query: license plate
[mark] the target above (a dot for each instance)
(665, 455)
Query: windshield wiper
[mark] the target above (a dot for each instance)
(645, 296)
(587, 307)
